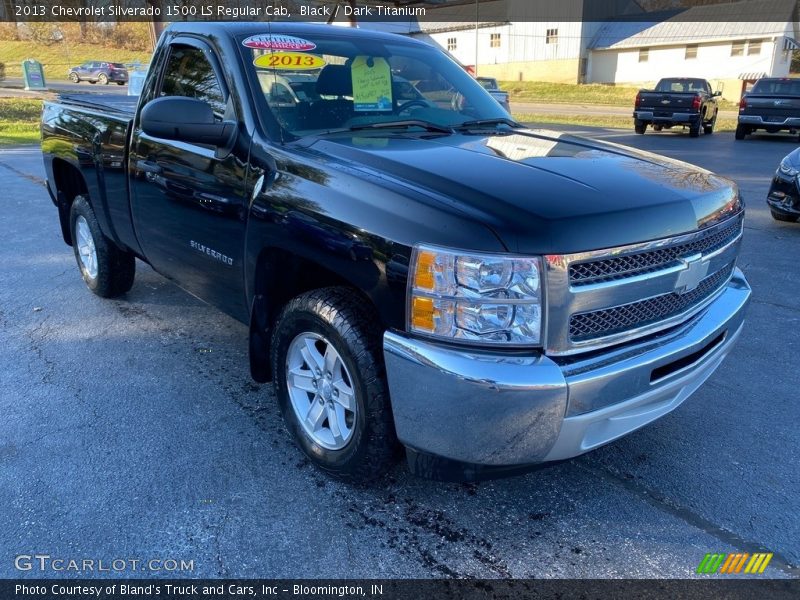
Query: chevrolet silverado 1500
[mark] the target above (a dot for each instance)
(413, 266)
(677, 101)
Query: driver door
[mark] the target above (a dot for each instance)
(189, 204)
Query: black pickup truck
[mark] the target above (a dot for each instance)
(677, 101)
(490, 85)
(773, 104)
(422, 271)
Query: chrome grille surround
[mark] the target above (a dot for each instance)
(608, 321)
(620, 267)
(635, 290)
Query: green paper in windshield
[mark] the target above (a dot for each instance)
(372, 84)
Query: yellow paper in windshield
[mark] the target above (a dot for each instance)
(372, 84)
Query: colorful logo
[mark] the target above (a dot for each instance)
(734, 563)
(278, 42)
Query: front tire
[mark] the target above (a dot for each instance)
(330, 382)
(658, 127)
(106, 270)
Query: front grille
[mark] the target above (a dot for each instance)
(620, 267)
(609, 321)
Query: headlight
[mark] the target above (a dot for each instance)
(472, 297)
(788, 169)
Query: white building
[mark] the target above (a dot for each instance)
(512, 41)
(731, 44)
(730, 54)
(518, 51)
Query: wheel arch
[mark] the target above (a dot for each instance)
(279, 276)
(69, 183)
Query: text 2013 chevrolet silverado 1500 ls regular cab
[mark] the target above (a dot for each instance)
(418, 270)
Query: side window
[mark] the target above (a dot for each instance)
(189, 73)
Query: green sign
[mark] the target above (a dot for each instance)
(33, 73)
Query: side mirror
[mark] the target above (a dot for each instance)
(717, 93)
(186, 120)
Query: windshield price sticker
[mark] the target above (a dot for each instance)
(289, 61)
(372, 84)
(278, 42)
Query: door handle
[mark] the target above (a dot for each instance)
(148, 167)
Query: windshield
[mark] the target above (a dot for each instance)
(777, 87)
(321, 83)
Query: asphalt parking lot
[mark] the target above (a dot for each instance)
(130, 429)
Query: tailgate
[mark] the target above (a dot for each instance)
(668, 101)
(772, 108)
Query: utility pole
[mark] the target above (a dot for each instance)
(156, 26)
(476, 38)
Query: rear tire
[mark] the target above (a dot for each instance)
(639, 127)
(330, 383)
(106, 270)
(779, 216)
(102, 79)
(73, 77)
(694, 130)
(741, 131)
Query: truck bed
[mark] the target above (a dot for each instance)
(111, 104)
(90, 131)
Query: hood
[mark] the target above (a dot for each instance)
(542, 191)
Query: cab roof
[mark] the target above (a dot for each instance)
(239, 29)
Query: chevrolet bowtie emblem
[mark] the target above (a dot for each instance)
(690, 277)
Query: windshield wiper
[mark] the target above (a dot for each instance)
(427, 125)
(487, 123)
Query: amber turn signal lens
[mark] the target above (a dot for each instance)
(423, 313)
(424, 278)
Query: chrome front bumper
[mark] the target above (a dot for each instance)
(499, 410)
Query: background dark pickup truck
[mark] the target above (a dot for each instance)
(412, 268)
(773, 104)
(490, 85)
(682, 101)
